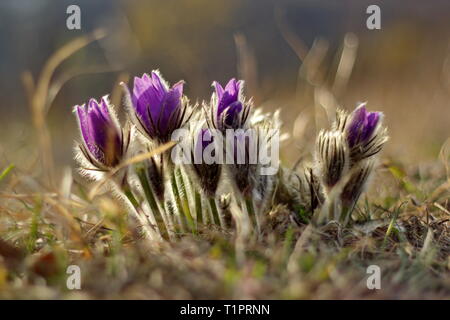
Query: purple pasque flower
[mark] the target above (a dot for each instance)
(362, 125)
(102, 137)
(229, 111)
(157, 109)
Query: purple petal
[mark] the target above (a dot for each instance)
(170, 104)
(147, 100)
(98, 127)
(178, 87)
(157, 82)
(100, 134)
(358, 122)
(104, 108)
(155, 105)
(229, 96)
(219, 90)
(82, 118)
(372, 121)
(362, 126)
(232, 112)
(233, 87)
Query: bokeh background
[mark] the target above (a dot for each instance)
(302, 56)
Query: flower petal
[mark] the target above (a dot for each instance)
(219, 90)
(158, 83)
(358, 122)
(232, 88)
(372, 121)
(170, 104)
(84, 126)
(101, 136)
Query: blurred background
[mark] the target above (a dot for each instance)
(305, 57)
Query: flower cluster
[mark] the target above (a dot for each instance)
(345, 158)
(167, 198)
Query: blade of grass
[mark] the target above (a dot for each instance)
(6, 171)
(392, 224)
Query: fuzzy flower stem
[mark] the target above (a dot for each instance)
(167, 218)
(198, 209)
(252, 213)
(184, 198)
(242, 220)
(177, 204)
(214, 211)
(219, 213)
(172, 211)
(151, 199)
(130, 196)
(127, 194)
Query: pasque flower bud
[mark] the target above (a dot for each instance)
(103, 143)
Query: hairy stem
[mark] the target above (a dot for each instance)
(198, 209)
(159, 216)
(127, 194)
(183, 196)
(214, 211)
(177, 206)
(252, 214)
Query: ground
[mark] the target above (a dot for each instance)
(407, 236)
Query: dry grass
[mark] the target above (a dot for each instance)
(407, 235)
